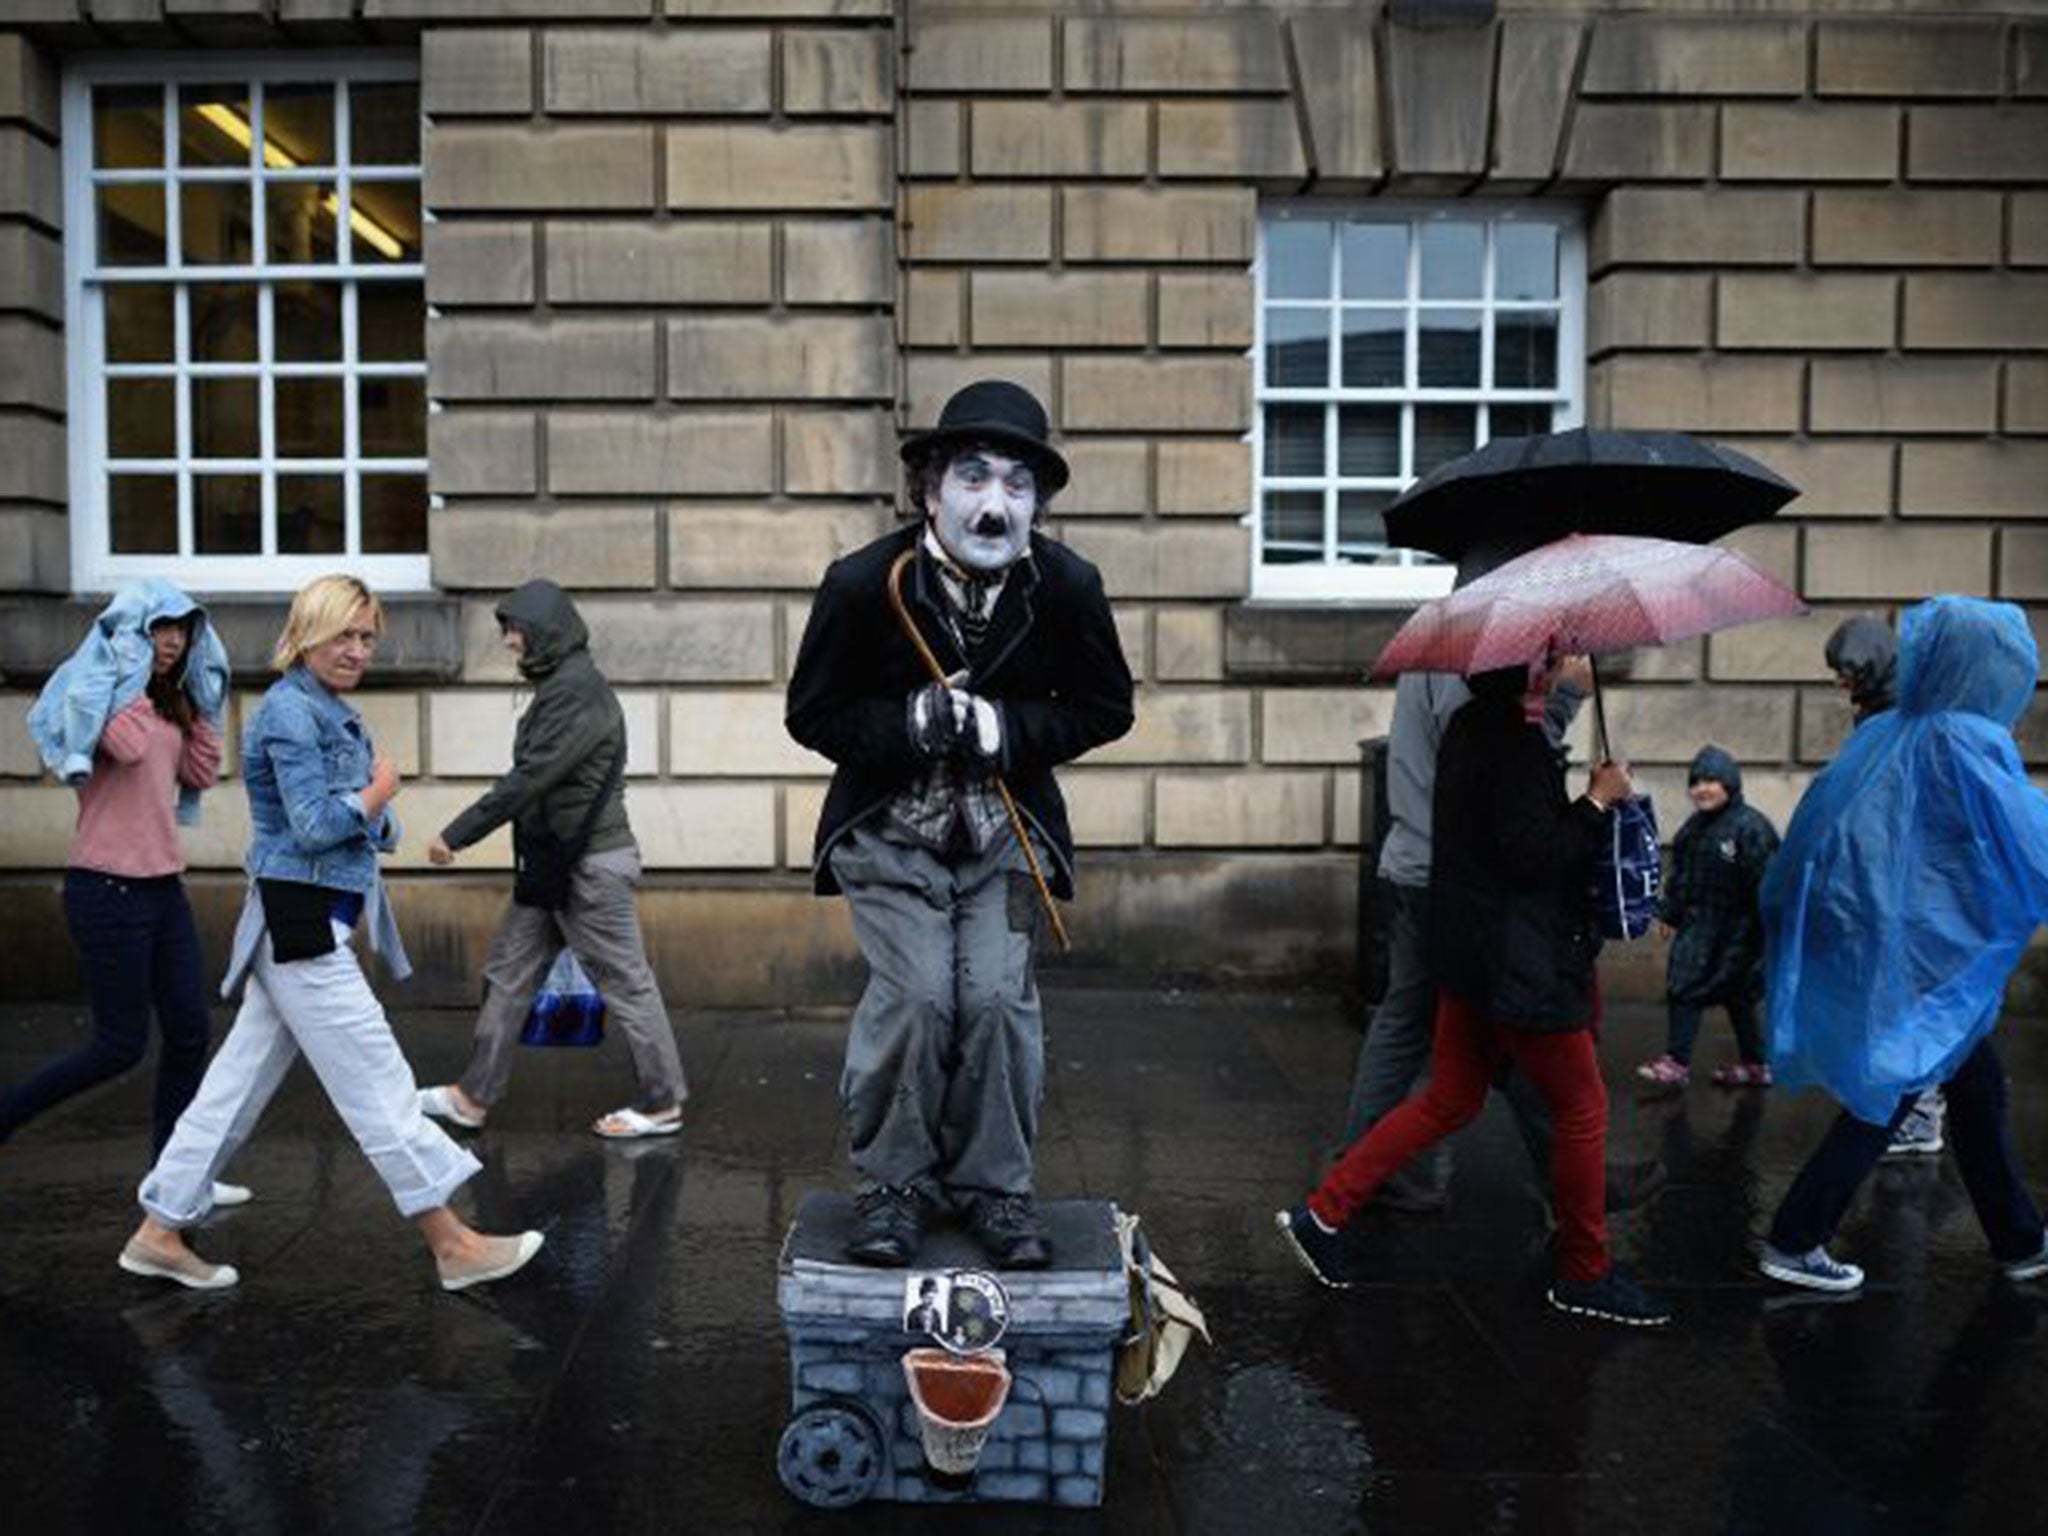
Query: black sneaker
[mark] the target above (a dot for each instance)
(888, 1224)
(1322, 1253)
(1007, 1227)
(1613, 1298)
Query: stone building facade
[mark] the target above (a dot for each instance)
(690, 266)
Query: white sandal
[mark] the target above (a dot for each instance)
(635, 1124)
(440, 1103)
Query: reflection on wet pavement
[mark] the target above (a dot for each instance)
(638, 1379)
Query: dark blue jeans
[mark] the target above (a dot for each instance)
(141, 953)
(1818, 1199)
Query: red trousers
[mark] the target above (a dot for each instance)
(1468, 1052)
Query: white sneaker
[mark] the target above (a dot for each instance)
(2030, 1268)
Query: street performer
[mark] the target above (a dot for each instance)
(944, 661)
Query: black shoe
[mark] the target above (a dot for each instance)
(888, 1224)
(1323, 1253)
(1613, 1298)
(1007, 1227)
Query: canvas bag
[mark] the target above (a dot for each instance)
(1164, 1319)
(1629, 872)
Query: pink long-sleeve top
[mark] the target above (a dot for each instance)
(127, 821)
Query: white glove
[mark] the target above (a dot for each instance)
(982, 721)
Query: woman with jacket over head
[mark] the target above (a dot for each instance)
(563, 789)
(319, 798)
(132, 721)
(1512, 945)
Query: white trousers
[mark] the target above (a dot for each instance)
(325, 1008)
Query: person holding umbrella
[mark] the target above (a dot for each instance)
(946, 669)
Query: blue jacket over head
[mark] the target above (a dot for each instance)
(1914, 870)
(109, 671)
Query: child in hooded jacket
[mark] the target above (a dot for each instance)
(1709, 911)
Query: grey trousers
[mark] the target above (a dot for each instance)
(1397, 1047)
(945, 1060)
(602, 925)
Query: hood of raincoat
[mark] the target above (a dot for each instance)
(554, 630)
(1718, 764)
(1914, 870)
(1862, 650)
(110, 669)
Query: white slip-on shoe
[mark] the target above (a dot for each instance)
(225, 1194)
(191, 1271)
(524, 1247)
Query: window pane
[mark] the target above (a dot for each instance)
(298, 123)
(227, 514)
(214, 217)
(394, 514)
(1375, 348)
(1297, 348)
(1298, 260)
(1525, 349)
(214, 125)
(302, 221)
(1518, 420)
(1361, 531)
(391, 322)
(392, 418)
(142, 418)
(140, 324)
(1293, 527)
(384, 221)
(1453, 260)
(131, 226)
(1294, 440)
(1375, 261)
(223, 320)
(1447, 349)
(224, 419)
(142, 514)
(1442, 433)
(307, 322)
(128, 127)
(1369, 440)
(310, 518)
(384, 123)
(309, 424)
(1525, 261)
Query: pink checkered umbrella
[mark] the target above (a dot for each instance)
(1586, 593)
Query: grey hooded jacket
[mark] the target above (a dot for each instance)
(563, 750)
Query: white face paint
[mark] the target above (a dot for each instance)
(985, 506)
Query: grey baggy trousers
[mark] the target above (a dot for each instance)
(602, 925)
(945, 1059)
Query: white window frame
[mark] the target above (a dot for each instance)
(1418, 577)
(94, 565)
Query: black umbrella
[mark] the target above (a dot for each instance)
(1523, 491)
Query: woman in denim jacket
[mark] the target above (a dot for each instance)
(319, 809)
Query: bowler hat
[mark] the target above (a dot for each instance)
(1001, 414)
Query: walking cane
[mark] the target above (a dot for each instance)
(938, 672)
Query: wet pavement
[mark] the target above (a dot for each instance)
(636, 1378)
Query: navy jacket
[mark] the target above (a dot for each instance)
(1051, 664)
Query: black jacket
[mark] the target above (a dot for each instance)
(1710, 895)
(566, 740)
(1051, 664)
(1510, 912)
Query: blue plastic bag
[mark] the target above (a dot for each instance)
(567, 1010)
(1630, 871)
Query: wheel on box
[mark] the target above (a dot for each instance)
(831, 1454)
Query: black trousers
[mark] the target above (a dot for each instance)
(1818, 1199)
(1685, 1029)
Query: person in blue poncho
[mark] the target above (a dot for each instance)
(1911, 877)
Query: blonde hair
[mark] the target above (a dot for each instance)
(320, 611)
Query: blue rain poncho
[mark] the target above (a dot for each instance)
(1914, 871)
(109, 671)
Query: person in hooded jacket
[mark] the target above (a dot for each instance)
(1512, 945)
(568, 755)
(1911, 878)
(1708, 909)
(132, 721)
